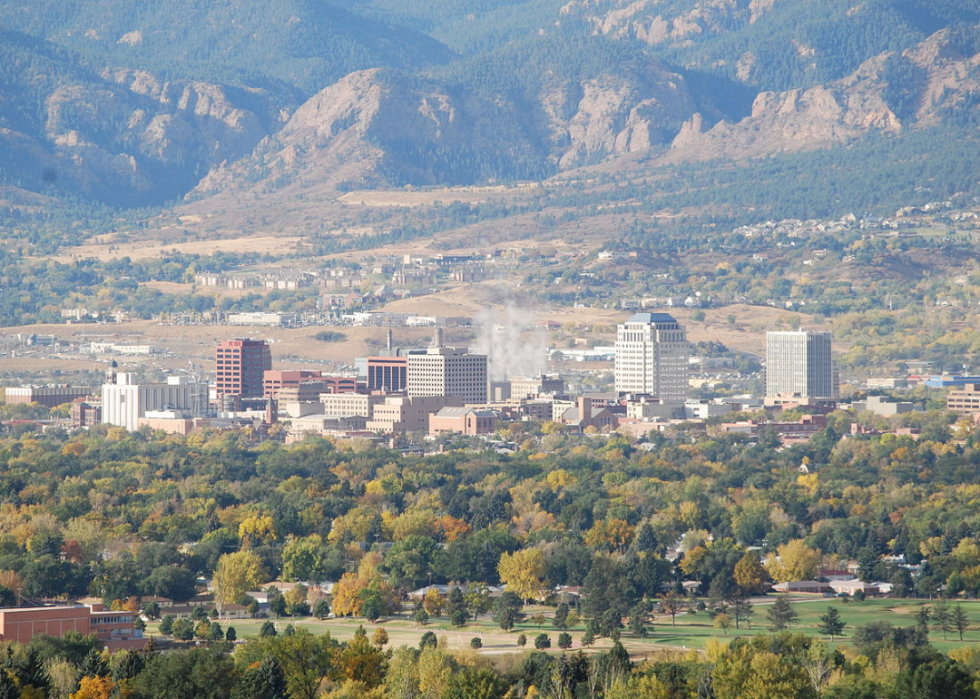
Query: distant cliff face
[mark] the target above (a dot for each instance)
(655, 22)
(888, 94)
(121, 136)
(129, 136)
(375, 127)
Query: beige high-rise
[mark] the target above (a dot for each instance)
(652, 356)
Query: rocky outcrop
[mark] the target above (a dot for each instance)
(615, 114)
(125, 135)
(655, 22)
(384, 127)
(934, 75)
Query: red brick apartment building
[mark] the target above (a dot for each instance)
(115, 629)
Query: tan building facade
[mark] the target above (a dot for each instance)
(116, 630)
(407, 414)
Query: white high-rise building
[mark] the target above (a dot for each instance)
(800, 363)
(652, 356)
(124, 401)
(448, 371)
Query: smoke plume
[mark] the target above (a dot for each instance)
(513, 343)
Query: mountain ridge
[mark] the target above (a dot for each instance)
(358, 101)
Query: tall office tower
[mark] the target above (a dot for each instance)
(448, 371)
(240, 367)
(652, 356)
(799, 363)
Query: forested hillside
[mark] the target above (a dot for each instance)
(297, 46)
(293, 104)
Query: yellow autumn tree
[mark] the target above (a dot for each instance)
(347, 595)
(236, 574)
(522, 572)
(256, 529)
(750, 575)
(94, 688)
(433, 602)
(794, 561)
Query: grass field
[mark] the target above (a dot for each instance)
(691, 631)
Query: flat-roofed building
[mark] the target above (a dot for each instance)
(407, 414)
(275, 379)
(964, 401)
(84, 414)
(349, 404)
(653, 356)
(311, 382)
(448, 371)
(116, 630)
(125, 401)
(465, 420)
(800, 363)
(388, 374)
(48, 396)
(240, 367)
(533, 386)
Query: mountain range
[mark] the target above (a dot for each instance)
(135, 104)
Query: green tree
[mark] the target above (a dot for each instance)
(564, 640)
(456, 608)
(831, 623)
(264, 681)
(484, 683)
(670, 604)
(306, 660)
(542, 641)
(508, 611)
(638, 619)
(428, 640)
(941, 618)
(193, 674)
(960, 620)
(183, 629)
(561, 616)
(742, 610)
(922, 618)
(781, 615)
(321, 610)
(170, 581)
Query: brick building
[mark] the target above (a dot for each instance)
(116, 630)
(240, 367)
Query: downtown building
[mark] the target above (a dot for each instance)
(125, 401)
(447, 371)
(240, 367)
(652, 357)
(800, 364)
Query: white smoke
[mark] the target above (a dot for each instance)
(513, 343)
